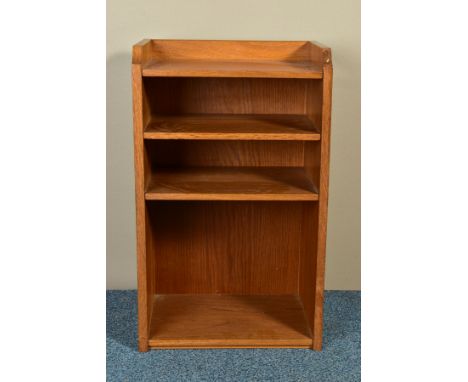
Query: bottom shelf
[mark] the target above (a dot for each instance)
(228, 321)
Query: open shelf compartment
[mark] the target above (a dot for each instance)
(228, 321)
(231, 108)
(229, 170)
(260, 59)
(244, 287)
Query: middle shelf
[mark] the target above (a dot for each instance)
(231, 183)
(232, 127)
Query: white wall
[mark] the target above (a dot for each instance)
(335, 23)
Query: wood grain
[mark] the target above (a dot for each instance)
(232, 127)
(229, 153)
(308, 260)
(226, 69)
(289, 51)
(224, 321)
(231, 183)
(142, 52)
(226, 247)
(144, 298)
(188, 95)
(210, 58)
(323, 204)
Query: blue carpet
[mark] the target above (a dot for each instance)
(340, 359)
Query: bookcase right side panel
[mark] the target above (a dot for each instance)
(316, 163)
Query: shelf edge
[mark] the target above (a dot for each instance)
(312, 197)
(233, 136)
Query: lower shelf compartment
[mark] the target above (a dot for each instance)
(228, 321)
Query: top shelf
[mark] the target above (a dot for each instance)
(242, 69)
(211, 58)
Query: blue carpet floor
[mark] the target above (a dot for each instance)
(340, 359)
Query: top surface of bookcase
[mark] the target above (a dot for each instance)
(211, 58)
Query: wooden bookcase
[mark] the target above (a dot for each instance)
(231, 161)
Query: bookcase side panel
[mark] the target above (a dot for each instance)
(323, 205)
(310, 217)
(144, 272)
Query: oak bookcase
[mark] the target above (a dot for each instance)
(231, 161)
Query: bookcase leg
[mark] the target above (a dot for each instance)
(317, 344)
(143, 345)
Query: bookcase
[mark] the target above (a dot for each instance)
(231, 146)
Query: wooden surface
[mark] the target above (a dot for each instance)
(229, 153)
(323, 204)
(198, 58)
(144, 298)
(142, 52)
(308, 261)
(243, 69)
(231, 247)
(232, 50)
(232, 127)
(231, 138)
(225, 321)
(189, 95)
(227, 183)
(310, 222)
